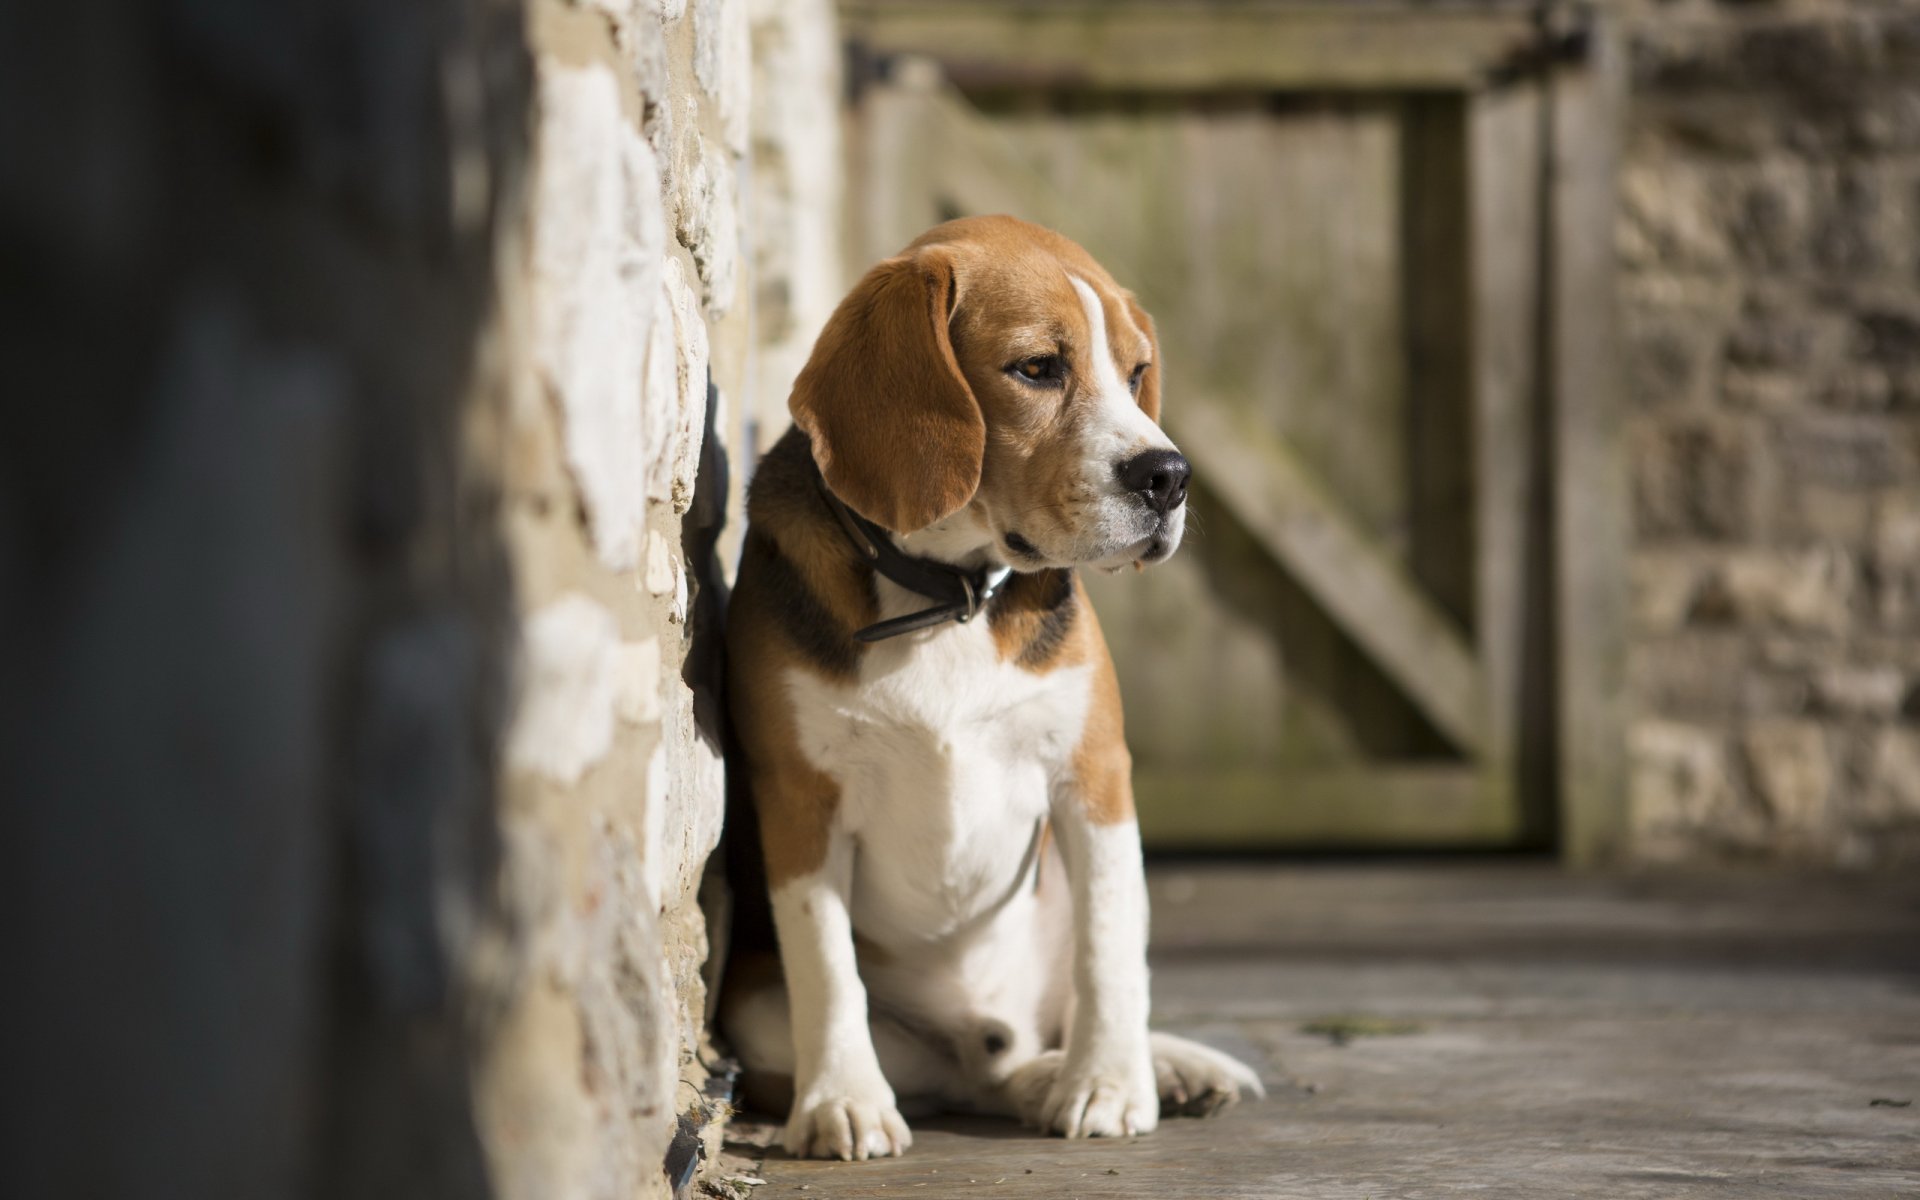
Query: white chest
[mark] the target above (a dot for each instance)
(945, 759)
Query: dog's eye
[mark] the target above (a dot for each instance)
(1133, 380)
(1045, 370)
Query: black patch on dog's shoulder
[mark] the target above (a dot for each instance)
(823, 640)
(1048, 595)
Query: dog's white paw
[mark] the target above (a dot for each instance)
(1196, 1080)
(847, 1123)
(1104, 1098)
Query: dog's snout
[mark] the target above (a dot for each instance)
(1160, 476)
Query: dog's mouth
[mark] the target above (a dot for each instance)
(1022, 548)
(1155, 546)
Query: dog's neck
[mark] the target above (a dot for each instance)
(963, 540)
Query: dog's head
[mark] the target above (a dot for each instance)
(996, 380)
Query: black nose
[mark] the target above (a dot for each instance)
(1160, 476)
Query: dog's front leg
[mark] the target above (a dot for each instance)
(1106, 1083)
(842, 1104)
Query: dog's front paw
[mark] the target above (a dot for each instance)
(1111, 1097)
(848, 1123)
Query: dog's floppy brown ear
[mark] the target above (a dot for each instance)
(895, 428)
(1149, 397)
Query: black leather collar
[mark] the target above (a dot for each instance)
(959, 594)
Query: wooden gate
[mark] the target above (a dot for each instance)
(1376, 238)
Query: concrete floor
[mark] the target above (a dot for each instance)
(1536, 1035)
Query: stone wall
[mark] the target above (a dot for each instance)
(1770, 252)
(374, 374)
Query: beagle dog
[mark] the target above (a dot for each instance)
(927, 718)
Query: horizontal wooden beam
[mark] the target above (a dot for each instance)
(1409, 806)
(1204, 45)
(1367, 593)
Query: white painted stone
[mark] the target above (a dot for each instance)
(691, 800)
(638, 697)
(666, 575)
(670, 10)
(599, 238)
(718, 255)
(644, 43)
(622, 11)
(653, 851)
(706, 215)
(660, 564)
(722, 64)
(676, 395)
(569, 690)
(691, 177)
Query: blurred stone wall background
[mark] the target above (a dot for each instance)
(1770, 290)
(376, 372)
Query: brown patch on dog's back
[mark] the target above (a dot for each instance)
(794, 801)
(800, 596)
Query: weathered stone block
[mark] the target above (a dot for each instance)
(1664, 589)
(1731, 127)
(1697, 674)
(576, 676)
(1894, 562)
(1859, 389)
(1762, 391)
(1885, 120)
(1861, 691)
(675, 395)
(1792, 773)
(1665, 365)
(1679, 786)
(1771, 215)
(1847, 451)
(706, 216)
(1691, 479)
(1779, 330)
(721, 62)
(1808, 590)
(1892, 792)
(598, 242)
(1669, 218)
(1807, 513)
(1860, 227)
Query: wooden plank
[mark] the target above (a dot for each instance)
(1504, 170)
(1202, 45)
(1412, 806)
(1589, 463)
(1439, 348)
(1368, 594)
